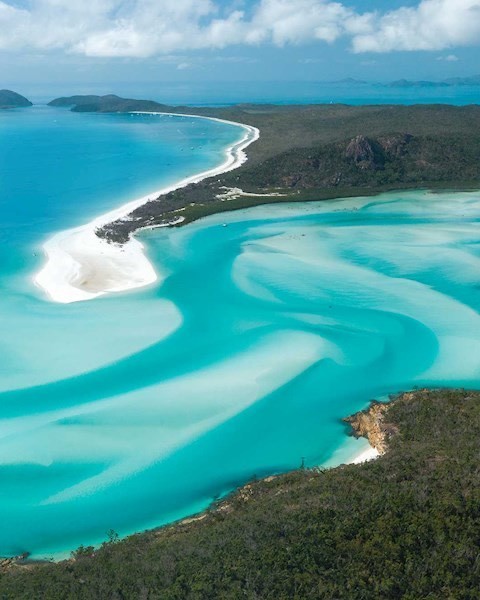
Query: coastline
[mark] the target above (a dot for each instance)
(305, 153)
(393, 508)
(89, 264)
(356, 424)
(364, 456)
(81, 266)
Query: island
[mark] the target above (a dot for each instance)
(313, 152)
(402, 526)
(9, 99)
(450, 82)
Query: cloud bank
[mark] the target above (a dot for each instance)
(145, 28)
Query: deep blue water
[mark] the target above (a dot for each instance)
(273, 323)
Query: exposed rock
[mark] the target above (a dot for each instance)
(370, 423)
(360, 150)
(9, 563)
(395, 146)
(246, 492)
(368, 153)
(188, 520)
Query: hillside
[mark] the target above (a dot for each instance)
(9, 99)
(315, 152)
(403, 526)
(284, 128)
(108, 103)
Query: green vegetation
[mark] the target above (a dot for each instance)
(109, 103)
(284, 128)
(403, 526)
(394, 160)
(9, 99)
(316, 152)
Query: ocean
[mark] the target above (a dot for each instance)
(267, 326)
(197, 93)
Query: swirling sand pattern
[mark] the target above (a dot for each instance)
(271, 325)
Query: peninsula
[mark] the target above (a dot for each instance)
(313, 152)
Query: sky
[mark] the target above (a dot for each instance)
(104, 42)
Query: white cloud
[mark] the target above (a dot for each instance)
(432, 25)
(144, 28)
(449, 58)
(297, 21)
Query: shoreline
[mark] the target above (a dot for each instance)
(374, 418)
(391, 507)
(308, 153)
(364, 456)
(82, 266)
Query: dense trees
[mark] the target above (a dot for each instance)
(318, 152)
(403, 526)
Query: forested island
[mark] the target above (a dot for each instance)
(403, 526)
(315, 152)
(9, 99)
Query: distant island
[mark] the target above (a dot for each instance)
(450, 82)
(473, 80)
(405, 83)
(350, 81)
(9, 99)
(108, 103)
(314, 152)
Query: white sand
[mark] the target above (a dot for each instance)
(82, 266)
(365, 456)
(352, 452)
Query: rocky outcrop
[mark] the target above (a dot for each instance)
(360, 151)
(9, 563)
(371, 424)
(372, 154)
(365, 154)
(395, 146)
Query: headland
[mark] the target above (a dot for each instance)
(404, 525)
(301, 153)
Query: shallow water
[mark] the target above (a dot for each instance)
(135, 409)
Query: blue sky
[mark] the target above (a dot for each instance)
(108, 41)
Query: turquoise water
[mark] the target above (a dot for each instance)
(136, 409)
(199, 93)
(300, 92)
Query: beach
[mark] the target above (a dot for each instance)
(365, 456)
(81, 266)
